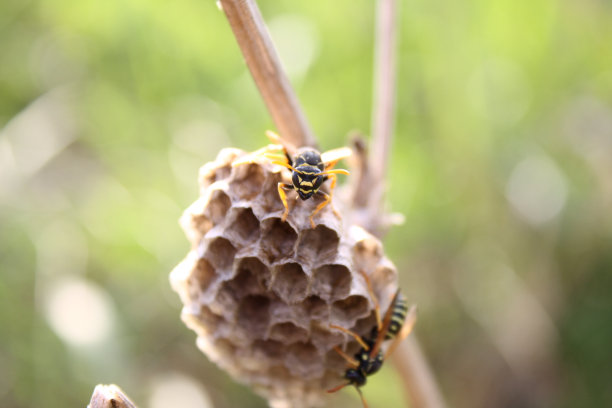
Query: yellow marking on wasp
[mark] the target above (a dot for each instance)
(305, 183)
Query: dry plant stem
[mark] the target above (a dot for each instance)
(109, 396)
(412, 364)
(421, 385)
(383, 112)
(258, 51)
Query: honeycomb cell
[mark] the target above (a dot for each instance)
(271, 349)
(288, 333)
(253, 315)
(278, 239)
(315, 307)
(304, 360)
(243, 226)
(317, 246)
(289, 282)
(331, 282)
(349, 310)
(221, 253)
(247, 180)
(202, 275)
(270, 200)
(218, 206)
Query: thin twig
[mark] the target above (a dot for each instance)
(409, 358)
(383, 112)
(258, 51)
(416, 375)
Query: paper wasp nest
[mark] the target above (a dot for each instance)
(261, 293)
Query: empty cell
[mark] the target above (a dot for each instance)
(218, 206)
(220, 253)
(331, 282)
(248, 180)
(256, 268)
(202, 275)
(288, 333)
(317, 246)
(278, 239)
(347, 311)
(244, 283)
(315, 307)
(254, 315)
(244, 226)
(270, 199)
(271, 349)
(290, 282)
(304, 360)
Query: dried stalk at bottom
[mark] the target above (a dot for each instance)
(261, 293)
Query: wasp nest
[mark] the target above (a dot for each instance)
(261, 293)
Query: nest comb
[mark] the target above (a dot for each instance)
(261, 293)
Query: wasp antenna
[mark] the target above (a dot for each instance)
(336, 171)
(287, 165)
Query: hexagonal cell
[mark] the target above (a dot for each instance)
(270, 200)
(221, 253)
(315, 307)
(248, 180)
(278, 239)
(304, 360)
(272, 350)
(289, 282)
(243, 226)
(218, 205)
(202, 275)
(244, 283)
(384, 275)
(346, 311)
(253, 315)
(288, 333)
(331, 282)
(317, 246)
(256, 268)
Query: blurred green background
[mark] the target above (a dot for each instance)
(502, 165)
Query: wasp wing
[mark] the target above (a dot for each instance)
(331, 157)
(385, 327)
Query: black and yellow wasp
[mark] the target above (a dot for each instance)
(397, 324)
(310, 169)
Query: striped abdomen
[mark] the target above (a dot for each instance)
(398, 316)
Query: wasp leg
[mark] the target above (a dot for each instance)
(373, 297)
(319, 207)
(281, 192)
(350, 333)
(333, 179)
(255, 156)
(365, 404)
(352, 362)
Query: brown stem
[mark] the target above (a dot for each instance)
(109, 396)
(417, 376)
(383, 112)
(409, 358)
(258, 51)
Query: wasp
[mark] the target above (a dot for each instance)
(397, 324)
(309, 170)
